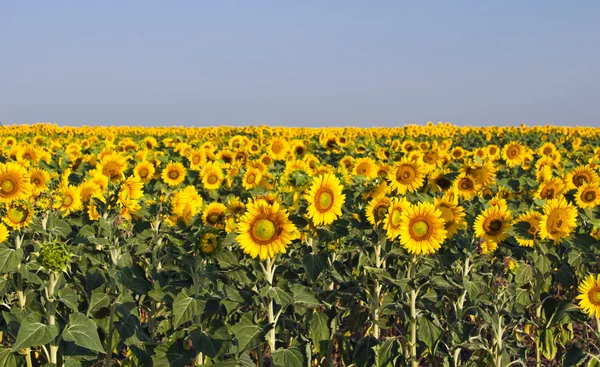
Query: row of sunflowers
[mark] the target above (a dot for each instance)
(428, 245)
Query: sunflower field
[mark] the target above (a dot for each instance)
(428, 245)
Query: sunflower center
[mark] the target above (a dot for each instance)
(580, 179)
(443, 183)
(405, 173)
(325, 200)
(494, 227)
(18, 214)
(212, 179)
(548, 193)
(420, 228)
(173, 175)
(594, 296)
(196, 159)
(465, 184)
(36, 181)
(8, 186)
(589, 196)
(67, 200)
(380, 212)
(396, 215)
(143, 173)
(251, 178)
(263, 229)
(214, 218)
(512, 152)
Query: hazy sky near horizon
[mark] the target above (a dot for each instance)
(300, 63)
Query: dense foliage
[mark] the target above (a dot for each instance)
(413, 246)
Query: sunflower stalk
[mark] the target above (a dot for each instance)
(413, 313)
(52, 315)
(115, 254)
(269, 271)
(379, 264)
(538, 339)
(21, 295)
(199, 274)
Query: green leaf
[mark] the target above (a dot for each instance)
(319, 331)
(212, 342)
(303, 297)
(429, 333)
(9, 259)
(524, 274)
(33, 333)
(364, 355)
(386, 352)
(83, 332)
(314, 265)
(7, 358)
(68, 297)
(247, 334)
(548, 344)
(280, 296)
(291, 357)
(185, 308)
(99, 300)
(574, 356)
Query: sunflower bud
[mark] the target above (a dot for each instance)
(55, 256)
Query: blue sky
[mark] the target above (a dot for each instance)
(300, 63)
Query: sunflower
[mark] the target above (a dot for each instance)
(68, 199)
(513, 154)
(493, 224)
(278, 148)
(550, 189)
(113, 166)
(406, 176)
(18, 215)
(209, 244)
(588, 195)
(466, 187)
(452, 213)
(325, 199)
(559, 219)
(214, 215)
(252, 178)
(484, 173)
(365, 167)
(589, 295)
(88, 190)
(487, 246)
(3, 233)
(130, 192)
(391, 222)
(144, 170)
(14, 182)
(265, 230)
(377, 209)
(532, 218)
(185, 204)
(173, 174)
(39, 180)
(212, 175)
(422, 229)
(579, 176)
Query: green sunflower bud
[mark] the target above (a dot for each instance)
(55, 256)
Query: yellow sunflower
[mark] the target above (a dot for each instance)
(39, 180)
(487, 246)
(550, 189)
(18, 215)
(130, 192)
(422, 229)
(365, 167)
(513, 154)
(3, 233)
(113, 166)
(589, 295)
(325, 199)
(144, 170)
(278, 148)
(68, 199)
(377, 209)
(579, 176)
(265, 230)
(214, 215)
(466, 187)
(212, 175)
(452, 213)
(14, 182)
(533, 218)
(392, 220)
(559, 219)
(88, 190)
(251, 178)
(588, 195)
(406, 176)
(493, 224)
(173, 174)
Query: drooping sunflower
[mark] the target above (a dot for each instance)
(212, 175)
(88, 190)
(559, 219)
(18, 215)
(532, 218)
(130, 192)
(14, 182)
(209, 244)
(422, 229)
(144, 170)
(493, 223)
(392, 220)
(579, 176)
(589, 295)
(588, 195)
(173, 174)
(214, 215)
(406, 176)
(265, 230)
(377, 209)
(251, 178)
(452, 213)
(325, 199)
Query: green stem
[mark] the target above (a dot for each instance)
(538, 352)
(413, 314)
(269, 273)
(597, 323)
(197, 284)
(499, 333)
(376, 292)
(52, 316)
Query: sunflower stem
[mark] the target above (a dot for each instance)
(597, 323)
(538, 351)
(413, 314)
(52, 316)
(269, 274)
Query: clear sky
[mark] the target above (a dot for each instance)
(300, 63)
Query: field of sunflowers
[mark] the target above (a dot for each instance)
(415, 246)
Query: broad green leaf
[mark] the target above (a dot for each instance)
(386, 352)
(68, 297)
(314, 265)
(33, 333)
(212, 342)
(291, 357)
(319, 331)
(9, 259)
(83, 332)
(549, 349)
(185, 308)
(98, 301)
(304, 297)
(429, 333)
(7, 358)
(281, 297)
(247, 334)
(364, 355)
